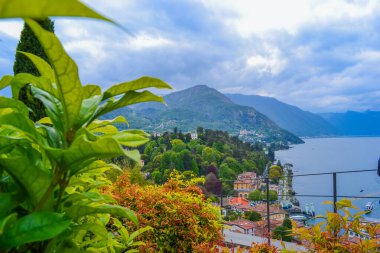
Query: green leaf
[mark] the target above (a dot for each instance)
(88, 198)
(39, 226)
(96, 229)
(82, 152)
(11, 103)
(20, 80)
(6, 222)
(68, 83)
(138, 84)
(5, 81)
(10, 118)
(30, 177)
(79, 211)
(100, 123)
(42, 66)
(53, 107)
(8, 201)
(138, 232)
(129, 139)
(91, 90)
(87, 111)
(42, 9)
(129, 98)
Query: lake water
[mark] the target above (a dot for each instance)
(330, 155)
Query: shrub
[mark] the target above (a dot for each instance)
(252, 216)
(181, 219)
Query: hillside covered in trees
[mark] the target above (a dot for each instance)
(213, 151)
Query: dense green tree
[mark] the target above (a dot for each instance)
(225, 172)
(256, 195)
(282, 233)
(178, 145)
(275, 172)
(273, 196)
(211, 155)
(233, 164)
(252, 216)
(287, 223)
(29, 43)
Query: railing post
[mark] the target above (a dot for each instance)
(335, 191)
(221, 197)
(268, 215)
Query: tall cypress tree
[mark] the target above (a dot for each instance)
(29, 43)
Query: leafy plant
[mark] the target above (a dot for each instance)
(332, 234)
(181, 219)
(51, 171)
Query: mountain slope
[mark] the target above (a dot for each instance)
(291, 118)
(355, 123)
(206, 107)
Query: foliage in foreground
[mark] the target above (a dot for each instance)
(50, 170)
(180, 217)
(332, 234)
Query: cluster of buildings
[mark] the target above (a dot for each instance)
(248, 182)
(244, 185)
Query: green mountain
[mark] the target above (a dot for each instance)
(355, 123)
(208, 108)
(291, 118)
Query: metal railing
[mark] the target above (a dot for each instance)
(335, 195)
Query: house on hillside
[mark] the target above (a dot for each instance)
(275, 212)
(194, 136)
(242, 226)
(238, 204)
(245, 183)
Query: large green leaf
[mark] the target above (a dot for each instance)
(42, 66)
(39, 226)
(130, 139)
(21, 79)
(68, 83)
(91, 90)
(138, 84)
(12, 119)
(129, 98)
(87, 111)
(53, 107)
(78, 211)
(31, 178)
(8, 201)
(42, 9)
(82, 152)
(101, 123)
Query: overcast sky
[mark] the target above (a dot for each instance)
(323, 56)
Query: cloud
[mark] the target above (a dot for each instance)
(320, 55)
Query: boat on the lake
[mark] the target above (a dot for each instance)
(369, 207)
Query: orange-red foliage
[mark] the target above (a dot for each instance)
(180, 217)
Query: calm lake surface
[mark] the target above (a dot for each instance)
(330, 155)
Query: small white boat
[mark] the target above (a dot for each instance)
(369, 207)
(298, 217)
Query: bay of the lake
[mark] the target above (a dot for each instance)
(332, 155)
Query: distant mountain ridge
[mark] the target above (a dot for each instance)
(206, 107)
(353, 123)
(291, 118)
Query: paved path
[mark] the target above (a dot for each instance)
(246, 240)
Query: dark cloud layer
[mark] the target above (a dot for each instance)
(323, 66)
